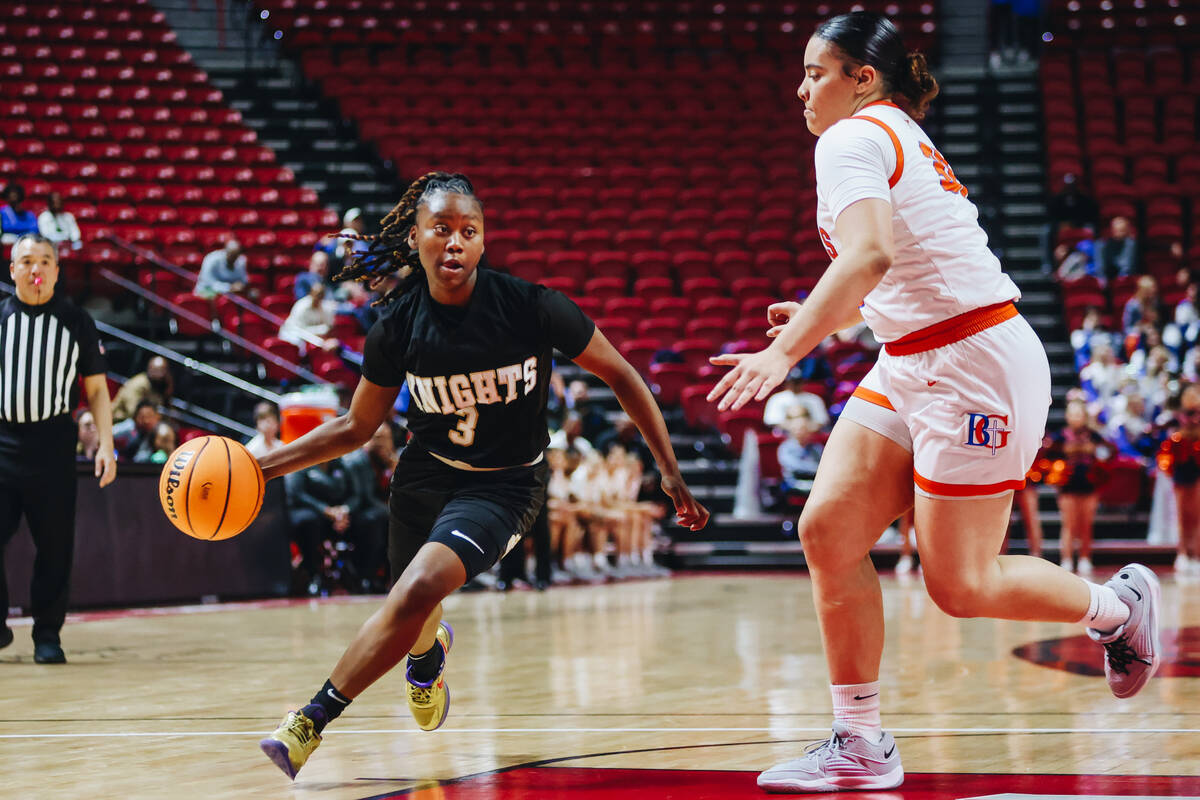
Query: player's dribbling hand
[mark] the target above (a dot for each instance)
(753, 377)
(106, 467)
(780, 314)
(688, 513)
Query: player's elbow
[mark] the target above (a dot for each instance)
(877, 259)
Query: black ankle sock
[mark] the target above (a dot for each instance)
(331, 704)
(424, 668)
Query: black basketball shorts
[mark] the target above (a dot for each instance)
(478, 515)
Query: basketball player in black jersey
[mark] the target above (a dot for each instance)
(474, 347)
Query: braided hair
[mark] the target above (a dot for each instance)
(389, 251)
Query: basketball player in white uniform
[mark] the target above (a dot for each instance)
(948, 421)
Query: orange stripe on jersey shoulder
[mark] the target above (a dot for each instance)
(966, 489)
(895, 178)
(873, 397)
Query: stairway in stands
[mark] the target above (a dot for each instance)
(239, 51)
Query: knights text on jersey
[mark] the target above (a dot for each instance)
(479, 376)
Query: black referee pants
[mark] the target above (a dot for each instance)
(46, 497)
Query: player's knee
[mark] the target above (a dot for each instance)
(819, 538)
(421, 593)
(956, 596)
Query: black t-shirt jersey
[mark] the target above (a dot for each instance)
(479, 376)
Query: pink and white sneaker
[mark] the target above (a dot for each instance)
(1132, 652)
(843, 761)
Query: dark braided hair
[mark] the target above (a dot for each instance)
(389, 251)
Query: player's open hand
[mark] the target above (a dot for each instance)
(688, 512)
(779, 314)
(753, 377)
(106, 467)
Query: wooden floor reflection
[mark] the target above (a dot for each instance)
(712, 674)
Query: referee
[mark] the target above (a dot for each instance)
(46, 344)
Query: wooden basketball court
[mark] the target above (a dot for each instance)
(680, 688)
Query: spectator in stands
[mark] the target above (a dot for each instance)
(266, 422)
(580, 400)
(1076, 453)
(777, 408)
(163, 443)
(367, 510)
(89, 437)
(133, 438)
(59, 225)
(1073, 263)
(1130, 428)
(324, 502)
(1070, 207)
(625, 433)
(566, 529)
(156, 385)
(1143, 303)
(800, 452)
(1182, 332)
(1091, 332)
(1117, 253)
(314, 315)
(318, 272)
(15, 219)
(223, 271)
(570, 438)
(1102, 376)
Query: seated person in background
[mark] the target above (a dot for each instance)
(1144, 303)
(89, 437)
(325, 502)
(368, 511)
(222, 271)
(799, 453)
(1073, 263)
(775, 412)
(164, 442)
(266, 422)
(570, 436)
(313, 314)
(1117, 253)
(1090, 332)
(318, 272)
(578, 399)
(156, 385)
(59, 225)
(15, 219)
(1102, 376)
(133, 438)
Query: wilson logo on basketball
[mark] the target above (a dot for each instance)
(177, 466)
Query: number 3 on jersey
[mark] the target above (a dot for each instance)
(463, 434)
(949, 182)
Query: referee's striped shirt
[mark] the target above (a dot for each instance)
(44, 350)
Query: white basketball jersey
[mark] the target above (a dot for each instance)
(942, 265)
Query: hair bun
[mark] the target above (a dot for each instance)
(917, 84)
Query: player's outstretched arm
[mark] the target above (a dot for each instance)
(865, 229)
(602, 360)
(371, 405)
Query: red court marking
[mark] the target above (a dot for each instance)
(547, 783)
(1081, 656)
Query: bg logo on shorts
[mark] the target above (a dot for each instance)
(987, 430)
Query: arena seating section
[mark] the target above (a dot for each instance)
(1120, 82)
(101, 104)
(649, 159)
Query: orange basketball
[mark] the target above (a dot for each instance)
(211, 488)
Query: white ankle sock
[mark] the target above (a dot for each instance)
(1107, 611)
(856, 705)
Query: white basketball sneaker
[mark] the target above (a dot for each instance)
(843, 761)
(1132, 652)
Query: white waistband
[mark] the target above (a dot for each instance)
(470, 468)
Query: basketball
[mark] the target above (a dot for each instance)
(211, 488)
